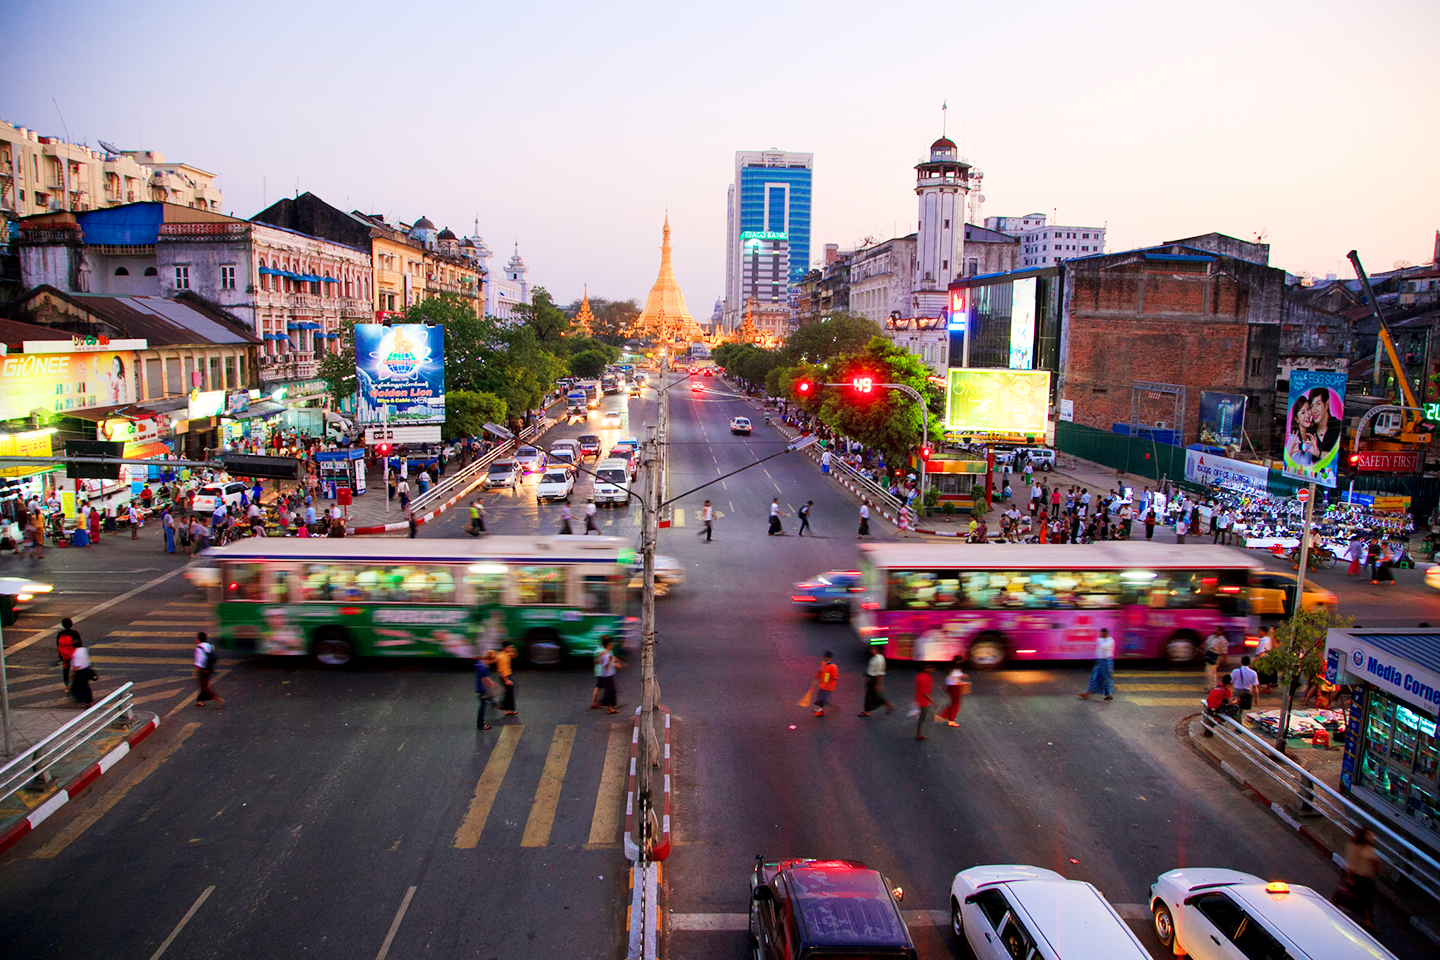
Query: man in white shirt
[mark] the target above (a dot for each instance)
(707, 517)
(1102, 675)
(1245, 680)
(875, 685)
(590, 518)
(864, 520)
(775, 518)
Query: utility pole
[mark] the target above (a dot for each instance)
(650, 533)
(1309, 493)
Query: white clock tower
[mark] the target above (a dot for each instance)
(941, 184)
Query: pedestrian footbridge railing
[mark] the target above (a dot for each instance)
(877, 494)
(1313, 797)
(463, 479)
(33, 764)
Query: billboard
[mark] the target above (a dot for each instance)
(400, 373)
(1222, 417)
(1314, 426)
(1022, 325)
(1003, 401)
(61, 382)
(1208, 468)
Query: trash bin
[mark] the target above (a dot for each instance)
(80, 538)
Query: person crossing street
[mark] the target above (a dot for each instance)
(804, 513)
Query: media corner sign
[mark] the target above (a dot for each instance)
(1411, 682)
(400, 373)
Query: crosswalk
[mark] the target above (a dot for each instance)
(1150, 689)
(506, 780)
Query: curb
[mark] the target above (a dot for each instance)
(661, 849)
(88, 776)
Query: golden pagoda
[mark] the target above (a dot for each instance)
(665, 318)
(585, 320)
(749, 333)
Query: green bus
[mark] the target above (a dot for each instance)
(338, 599)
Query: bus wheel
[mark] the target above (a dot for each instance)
(542, 648)
(333, 647)
(987, 652)
(1181, 647)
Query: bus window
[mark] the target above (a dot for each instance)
(487, 583)
(540, 585)
(924, 590)
(325, 582)
(595, 594)
(1098, 589)
(242, 581)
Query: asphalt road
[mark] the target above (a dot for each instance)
(335, 813)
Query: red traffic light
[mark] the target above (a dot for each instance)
(863, 384)
(925, 453)
(803, 387)
(1354, 459)
(382, 449)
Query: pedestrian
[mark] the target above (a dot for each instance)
(1355, 551)
(505, 666)
(82, 674)
(205, 660)
(707, 517)
(1181, 528)
(599, 684)
(477, 523)
(1361, 864)
(1262, 647)
(924, 703)
(825, 462)
(65, 643)
(34, 536)
(1102, 674)
(590, 525)
(403, 490)
(804, 513)
(875, 684)
(167, 523)
(903, 520)
(132, 516)
(565, 517)
(412, 524)
(94, 524)
(1387, 560)
(1217, 646)
(1246, 682)
(1221, 698)
(864, 520)
(825, 679)
(609, 663)
(775, 518)
(1149, 524)
(955, 682)
(484, 688)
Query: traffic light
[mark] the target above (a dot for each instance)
(1354, 459)
(804, 387)
(382, 449)
(863, 384)
(925, 453)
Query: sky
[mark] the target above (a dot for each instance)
(573, 128)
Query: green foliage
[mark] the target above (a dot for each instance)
(613, 318)
(932, 497)
(947, 508)
(588, 364)
(746, 361)
(338, 369)
(1300, 645)
(887, 420)
(571, 346)
(548, 321)
(467, 412)
(836, 335)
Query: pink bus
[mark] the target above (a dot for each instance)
(998, 602)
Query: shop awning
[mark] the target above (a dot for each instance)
(259, 410)
(292, 326)
(274, 336)
(308, 325)
(149, 450)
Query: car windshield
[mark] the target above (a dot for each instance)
(561, 454)
(590, 439)
(554, 476)
(504, 466)
(611, 475)
(526, 452)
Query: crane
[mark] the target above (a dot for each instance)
(1413, 429)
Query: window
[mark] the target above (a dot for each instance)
(121, 272)
(486, 582)
(227, 277)
(1221, 911)
(993, 905)
(1016, 941)
(1255, 367)
(540, 585)
(182, 278)
(600, 594)
(1256, 943)
(924, 590)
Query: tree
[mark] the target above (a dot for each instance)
(338, 369)
(887, 420)
(467, 412)
(614, 319)
(587, 364)
(1296, 655)
(541, 315)
(836, 335)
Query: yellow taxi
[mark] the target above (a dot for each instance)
(1272, 594)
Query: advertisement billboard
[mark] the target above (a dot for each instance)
(1222, 417)
(1314, 426)
(1022, 325)
(1002, 401)
(60, 382)
(1208, 468)
(400, 373)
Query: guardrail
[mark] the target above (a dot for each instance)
(34, 762)
(877, 494)
(1312, 795)
(465, 478)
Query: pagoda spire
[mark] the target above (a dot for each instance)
(585, 319)
(665, 316)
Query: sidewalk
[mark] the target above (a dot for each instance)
(28, 807)
(1320, 833)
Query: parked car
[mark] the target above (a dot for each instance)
(804, 909)
(207, 499)
(1217, 914)
(1011, 910)
(531, 460)
(555, 485)
(826, 596)
(740, 425)
(502, 473)
(589, 445)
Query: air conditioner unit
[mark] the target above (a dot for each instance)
(1161, 425)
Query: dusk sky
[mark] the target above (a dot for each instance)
(572, 127)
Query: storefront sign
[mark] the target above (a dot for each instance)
(1388, 461)
(205, 403)
(1208, 468)
(134, 431)
(238, 402)
(1362, 661)
(82, 345)
(1354, 732)
(35, 443)
(62, 382)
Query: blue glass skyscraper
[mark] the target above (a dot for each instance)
(767, 249)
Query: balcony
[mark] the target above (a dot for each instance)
(287, 367)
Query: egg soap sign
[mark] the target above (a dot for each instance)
(400, 373)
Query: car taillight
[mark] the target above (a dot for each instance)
(869, 605)
(1252, 641)
(802, 598)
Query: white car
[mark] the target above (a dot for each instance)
(530, 460)
(555, 485)
(1217, 914)
(207, 498)
(561, 457)
(610, 419)
(740, 425)
(1011, 910)
(15, 592)
(502, 473)
(612, 482)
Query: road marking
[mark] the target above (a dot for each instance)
(52, 630)
(72, 830)
(1149, 688)
(188, 698)
(547, 795)
(152, 633)
(606, 821)
(1193, 700)
(163, 694)
(181, 925)
(394, 926)
(189, 604)
(138, 645)
(468, 835)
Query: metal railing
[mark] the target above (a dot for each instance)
(1314, 796)
(465, 478)
(878, 495)
(34, 762)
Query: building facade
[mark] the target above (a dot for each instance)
(880, 279)
(989, 251)
(767, 247)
